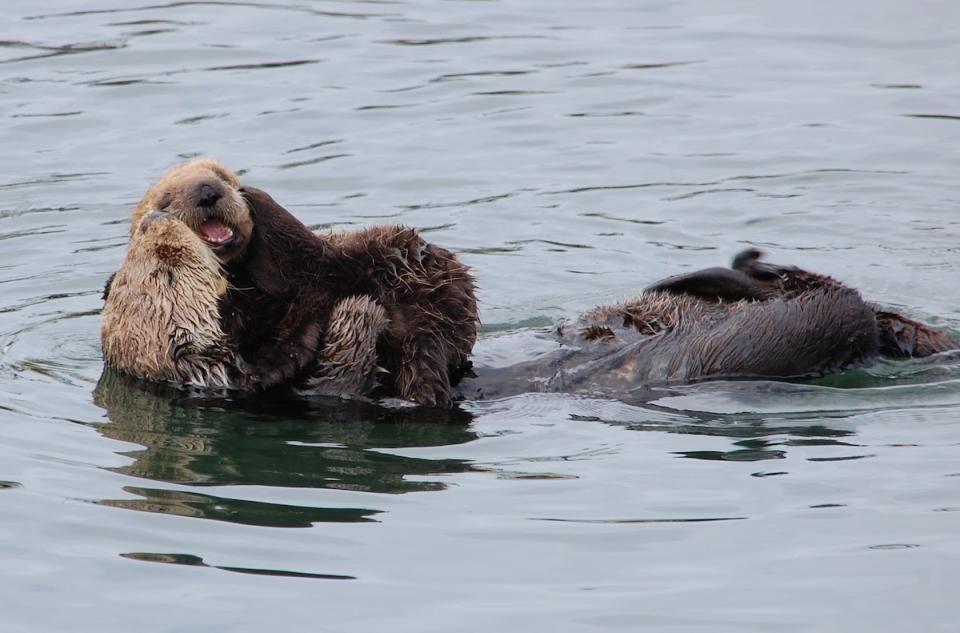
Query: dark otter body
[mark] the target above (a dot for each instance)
(400, 312)
(755, 320)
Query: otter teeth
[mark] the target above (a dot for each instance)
(215, 231)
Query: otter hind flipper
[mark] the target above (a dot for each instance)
(748, 262)
(748, 278)
(778, 280)
(902, 337)
(713, 284)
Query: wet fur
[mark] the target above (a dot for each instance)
(372, 312)
(178, 194)
(299, 278)
(161, 318)
(754, 320)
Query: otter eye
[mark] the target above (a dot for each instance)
(164, 202)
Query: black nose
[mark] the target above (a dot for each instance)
(207, 195)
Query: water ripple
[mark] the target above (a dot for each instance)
(467, 39)
(641, 521)
(312, 161)
(212, 3)
(945, 117)
(54, 179)
(55, 51)
(313, 146)
(265, 65)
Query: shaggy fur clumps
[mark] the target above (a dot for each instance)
(377, 312)
(161, 319)
(293, 281)
(347, 363)
(753, 320)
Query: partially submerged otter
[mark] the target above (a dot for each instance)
(161, 319)
(380, 312)
(429, 317)
(754, 320)
(341, 314)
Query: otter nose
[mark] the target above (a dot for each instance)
(207, 195)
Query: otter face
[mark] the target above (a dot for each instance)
(204, 195)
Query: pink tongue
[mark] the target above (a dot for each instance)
(215, 231)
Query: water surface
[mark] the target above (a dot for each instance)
(571, 153)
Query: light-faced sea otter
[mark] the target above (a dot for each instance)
(377, 310)
(161, 320)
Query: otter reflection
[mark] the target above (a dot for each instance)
(320, 443)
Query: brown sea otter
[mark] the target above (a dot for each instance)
(754, 320)
(346, 313)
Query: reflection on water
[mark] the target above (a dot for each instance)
(315, 443)
(195, 561)
(189, 504)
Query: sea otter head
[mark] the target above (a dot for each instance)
(204, 195)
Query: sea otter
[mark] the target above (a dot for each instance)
(427, 295)
(378, 310)
(753, 320)
(161, 318)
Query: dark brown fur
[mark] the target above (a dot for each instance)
(292, 279)
(755, 320)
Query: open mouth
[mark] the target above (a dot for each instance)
(215, 232)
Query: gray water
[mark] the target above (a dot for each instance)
(571, 153)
